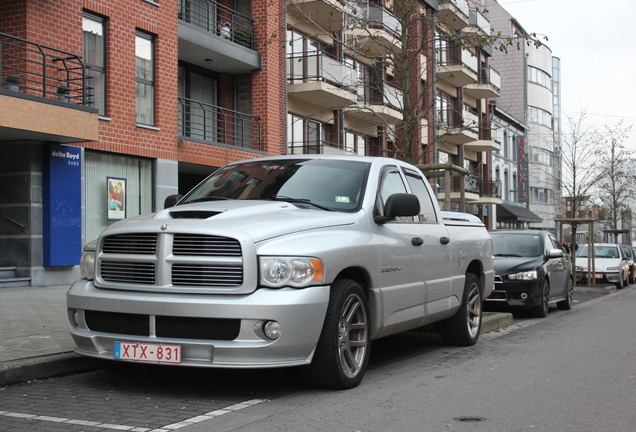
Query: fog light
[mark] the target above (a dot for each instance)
(272, 329)
(76, 318)
(524, 296)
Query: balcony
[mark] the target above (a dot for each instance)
(457, 66)
(479, 28)
(321, 80)
(373, 31)
(210, 124)
(328, 15)
(455, 129)
(213, 35)
(318, 147)
(45, 94)
(482, 145)
(476, 190)
(454, 13)
(381, 104)
(488, 86)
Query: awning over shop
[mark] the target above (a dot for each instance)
(516, 213)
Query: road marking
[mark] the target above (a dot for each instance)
(167, 428)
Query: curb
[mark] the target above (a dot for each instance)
(21, 371)
(494, 320)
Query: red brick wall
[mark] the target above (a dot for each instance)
(59, 25)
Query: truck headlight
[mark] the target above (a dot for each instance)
(87, 262)
(276, 272)
(528, 275)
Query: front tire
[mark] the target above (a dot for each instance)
(463, 328)
(342, 353)
(541, 311)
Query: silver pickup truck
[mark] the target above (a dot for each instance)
(284, 261)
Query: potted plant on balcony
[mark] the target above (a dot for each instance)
(63, 93)
(243, 37)
(12, 83)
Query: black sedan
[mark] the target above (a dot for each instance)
(532, 272)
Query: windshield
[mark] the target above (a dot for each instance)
(599, 252)
(308, 183)
(517, 245)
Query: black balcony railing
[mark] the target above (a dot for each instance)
(490, 188)
(218, 19)
(473, 184)
(217, 125)
(320, 66)
(39, 70)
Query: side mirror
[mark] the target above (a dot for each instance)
(172, 200)
(399, 204)
(555, 253)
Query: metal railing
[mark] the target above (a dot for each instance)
(462, 5)
(376, 17)
(473, 184)
(315, 147)
(319, 66)
(488, 75)
(217, 125)
(39, 70)
(478, 19)
(379, 93)
(218, 19)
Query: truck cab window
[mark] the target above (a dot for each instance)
(391, 183)
(427, 210)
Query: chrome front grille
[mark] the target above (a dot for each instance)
(144, 244)
(128, 272)
(166, 261)
(190, 244)
(206, 275)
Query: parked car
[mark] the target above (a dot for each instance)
(284, 261)
(610, 264)
(532, 271)
(629, 254)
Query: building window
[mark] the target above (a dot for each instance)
(541, 195)
(305, 136)
(94, 41)
(145, 78)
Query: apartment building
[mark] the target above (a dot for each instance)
(530, 93)
(107, 107)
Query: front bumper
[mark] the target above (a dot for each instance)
(511, 294)
(301, 313)
(609, 277)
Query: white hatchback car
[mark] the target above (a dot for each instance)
(610, 264)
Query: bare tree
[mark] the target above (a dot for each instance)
(616, 184)
(579, 151)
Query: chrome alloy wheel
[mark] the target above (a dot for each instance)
(353, 333)
(474, 310)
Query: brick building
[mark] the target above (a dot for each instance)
(136, 98)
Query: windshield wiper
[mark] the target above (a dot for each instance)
(299, 201)
(508, 255)
(208, 198)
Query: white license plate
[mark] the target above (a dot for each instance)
(598, 276)
(147, 352)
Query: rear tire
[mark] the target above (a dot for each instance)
(569, 299)
(342, 353)
(464, 327)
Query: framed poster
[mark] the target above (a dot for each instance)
(116, 204)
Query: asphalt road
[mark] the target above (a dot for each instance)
(572, 371)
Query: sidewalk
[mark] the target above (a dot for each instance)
(34, 339)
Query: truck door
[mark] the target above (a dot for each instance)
(400, 254)
(436, 247)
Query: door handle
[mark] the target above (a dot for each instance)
(417, 241)
(444, 240)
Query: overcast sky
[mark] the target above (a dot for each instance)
(593, 39)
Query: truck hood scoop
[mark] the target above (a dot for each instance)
(194, 214)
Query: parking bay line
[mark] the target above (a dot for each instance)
(167, 428)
